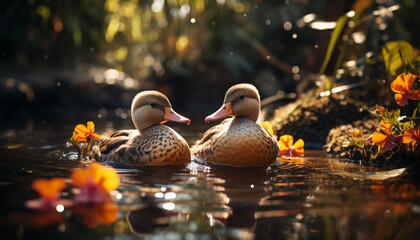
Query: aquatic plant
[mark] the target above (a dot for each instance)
(49, 190)
(287, 148)
(95, 183)
(84, 134)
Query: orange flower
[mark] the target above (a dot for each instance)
(379, 110)
(82, 132)
(412, 136)
(97, 213)
(357, 132)
(288, 148)
(95, 182)
(49, 190)
(267, 126)
(402, 87)
(385, 139)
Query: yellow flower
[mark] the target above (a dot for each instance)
(267, 126)
(83, 133)
(96, 182)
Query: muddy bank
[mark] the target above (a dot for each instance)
(312, 118)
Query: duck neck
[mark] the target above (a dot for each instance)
(141, 121)
(249, 110)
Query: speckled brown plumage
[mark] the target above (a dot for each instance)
(151, 143)
(238, 141)
(159, 144)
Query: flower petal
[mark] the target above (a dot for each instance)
(79, 177)
(95, 181)
(111, 179)
(414, 95)
(298, 147)
(95, 136)
(399, 85)
(409, 80)
(389, 144)
(80, 128)
(267, 126)
(401, 99)
(379, 138)
(386, 127)
(412, 136)
(90, 127)
(95, 172)
(286, 141)
(49, 188)
(408, 136)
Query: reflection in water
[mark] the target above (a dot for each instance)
(104, 213)
(196, 206)
(314, 197)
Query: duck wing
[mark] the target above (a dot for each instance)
(214, 130)
(112, 143)
(117, 139)
(125, 133)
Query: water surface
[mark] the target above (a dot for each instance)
(315, 197)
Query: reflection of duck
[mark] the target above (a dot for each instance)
(238, 141)
(152, 143)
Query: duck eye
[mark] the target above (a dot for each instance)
(153, 104)
(242, 97)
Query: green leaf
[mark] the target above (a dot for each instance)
(341, 22)
(395, 116)
(394, 53)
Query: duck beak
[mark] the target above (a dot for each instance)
(171, 115)
(224, 111)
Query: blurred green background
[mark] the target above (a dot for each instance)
(94, 54)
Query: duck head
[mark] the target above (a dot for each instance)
(151, 108)
(241, 100)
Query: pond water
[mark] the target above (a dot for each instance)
(315, 197)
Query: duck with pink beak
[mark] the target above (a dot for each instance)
(238, 141)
